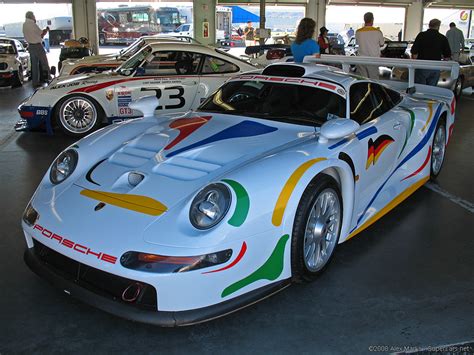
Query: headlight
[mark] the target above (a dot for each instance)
(63, 166)
(162, 264)
(209, 206)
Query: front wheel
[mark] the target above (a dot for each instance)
(18, 79)
(316, 228)
(78, 116)
(438, 149)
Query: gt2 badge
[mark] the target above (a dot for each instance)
(376, 148)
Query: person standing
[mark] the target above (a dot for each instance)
(34, 36)
(323, 41)
(369, 39)
(249, 34)
(456, 41)
(430, 45)
(46, 40)
(304, 43)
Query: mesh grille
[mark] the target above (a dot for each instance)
(100, 282)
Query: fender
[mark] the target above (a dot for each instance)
(342, 173)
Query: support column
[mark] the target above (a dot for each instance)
(84, 22)
(316, 9)
(204, 11)
(413, 20)
(262, 19)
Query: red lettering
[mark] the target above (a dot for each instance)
(67, 243)
(312, 82)
(109, 258)
(276, 79)
(257, 77)
(57, 237)
(292, 80)
(77, 247)
(90, 252)
(327, 86)
(38, 227)
(47, 233)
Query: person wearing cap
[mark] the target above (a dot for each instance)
(456, 41)
(369, 39)
(430, 45)
(323, 41)
(304, 43)
(34, 36)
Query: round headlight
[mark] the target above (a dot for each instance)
(209, 206)
(63, 166)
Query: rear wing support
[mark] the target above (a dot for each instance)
(410, 64)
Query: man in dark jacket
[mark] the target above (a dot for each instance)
(430, 45)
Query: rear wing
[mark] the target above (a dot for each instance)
(410, 64)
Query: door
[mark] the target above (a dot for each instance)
(172, 76)
(375, 152)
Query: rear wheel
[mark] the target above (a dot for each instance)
(78, 115)
(18, 79)
(316, 228)
(438, 148)
(458, 88)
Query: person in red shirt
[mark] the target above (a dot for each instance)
(323, 41)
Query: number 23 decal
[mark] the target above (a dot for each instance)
(176, 96)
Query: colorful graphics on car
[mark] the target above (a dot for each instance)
(240, 130)
(417, 171)
(242, 206)
(137, 203)
(430, 115)
(410, 155)
(288, 188)
(270, 270)
(239, 257)
(376, 148)
(186, 126)
(361, 135)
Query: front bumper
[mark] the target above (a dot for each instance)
(144, 313)
(33, 117)
(6, 78)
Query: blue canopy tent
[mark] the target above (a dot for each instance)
(240, 15)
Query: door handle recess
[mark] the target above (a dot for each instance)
(397, 125)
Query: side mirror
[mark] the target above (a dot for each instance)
(146, 105)
(336, 129)
(53, 70)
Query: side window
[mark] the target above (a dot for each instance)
(213, 65)
(185, 28)
(362, 108)
(382, 100)
(170, 63)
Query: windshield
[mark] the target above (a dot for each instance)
(276, 101)
(132, 49)
(131, 64)
(6, 49)
(168, 18)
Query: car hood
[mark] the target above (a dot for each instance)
(97, 58)
(178, 157)
(74, 81)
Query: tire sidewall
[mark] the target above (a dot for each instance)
(59, 109)
(298, 267)
(441, 122)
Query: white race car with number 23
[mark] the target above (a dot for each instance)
(177, 221)
(181, 75)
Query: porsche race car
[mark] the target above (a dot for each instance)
(104, 62)
(15, 65)
(181, 75)
(175, 221)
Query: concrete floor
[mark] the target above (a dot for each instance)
(406, 281)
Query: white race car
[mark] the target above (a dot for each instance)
(178, 221)
(104, 62)
(181, 75)
(15, 64)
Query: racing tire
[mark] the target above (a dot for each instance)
(458, 88)
(78, 115)
(438, 149)
(18, 79)
(316, 228)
